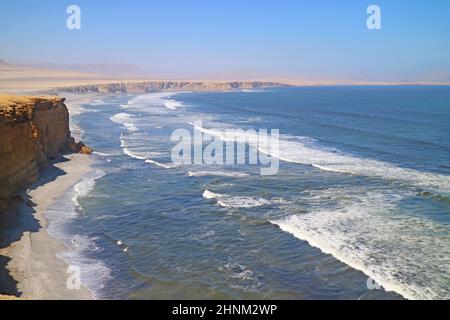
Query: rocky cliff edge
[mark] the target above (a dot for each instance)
(33, 131)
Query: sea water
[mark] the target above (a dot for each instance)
(359, 209)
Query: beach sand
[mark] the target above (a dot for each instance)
(29, 266)
(32, 252)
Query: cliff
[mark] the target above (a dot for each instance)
(158, 86)
(33, 130)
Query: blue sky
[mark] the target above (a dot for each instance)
(295, 39)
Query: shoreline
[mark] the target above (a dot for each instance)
(29, 264)
(46, 277)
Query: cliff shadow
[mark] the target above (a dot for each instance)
(8, 286)
(19, 216)
(18, 219)
(49, 174)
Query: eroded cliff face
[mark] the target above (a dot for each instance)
(33, 130)
(158, 86)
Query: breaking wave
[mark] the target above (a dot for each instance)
(400, 252)
(217, 173)
(173, 104)
(235, 202)
(94, 273)
(305, 150)
(126, 120)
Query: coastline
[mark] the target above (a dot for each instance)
(30, 263)
(46, 277)
(74, 104)
(30, 266)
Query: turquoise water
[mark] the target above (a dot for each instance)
(362, 191)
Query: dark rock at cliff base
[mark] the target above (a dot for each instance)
(72, 146)
(86, 150)
(80, 147)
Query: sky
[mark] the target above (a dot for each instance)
(296, 39)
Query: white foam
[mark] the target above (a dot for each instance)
(79, 108)
(144, 101)
(162, 165)
(134, 149)
(305, 150)
(131, 154)
(97, 102)
(94, 273)
(173, 104)
(217, 173)
(105, 156)
(400, 252)
(210, 195)
(85, 186)
(128, 152)
(292, 149)
(126, 120)
(83, 243)
(242, 202)
(235, 202)
(147, 100)
(241, 277)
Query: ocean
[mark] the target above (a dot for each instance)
(359, 207)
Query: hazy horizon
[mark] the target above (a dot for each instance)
(297, 40)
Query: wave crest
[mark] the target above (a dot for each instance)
(126, 120)
(235, 202)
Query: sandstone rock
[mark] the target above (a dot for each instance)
(86, 150)
(33, 130)
(72, 146)
(79, 147)
(157, 86)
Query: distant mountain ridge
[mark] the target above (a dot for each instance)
(3, 63)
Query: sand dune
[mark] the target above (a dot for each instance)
(28, 80)
(14, 79)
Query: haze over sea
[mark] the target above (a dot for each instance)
(363, 190)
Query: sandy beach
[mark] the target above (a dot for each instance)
(29, 266)
(33, 259)
(29, 263)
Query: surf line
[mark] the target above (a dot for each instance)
(227, 146)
